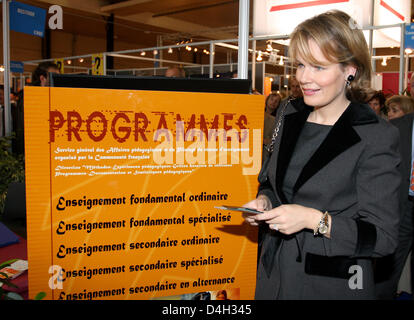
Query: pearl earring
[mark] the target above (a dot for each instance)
(349, 80)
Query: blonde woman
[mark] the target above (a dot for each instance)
(397, 106)
(331, 198)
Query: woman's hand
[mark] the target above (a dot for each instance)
(289, 218)
(261, 203)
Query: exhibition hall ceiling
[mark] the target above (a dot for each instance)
(147, 23)
(173, 19)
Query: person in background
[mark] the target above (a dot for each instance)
(295, 91)
(1, 95)
(175, 72)
(389, 269)
(377, 103)
(411, 88)
(2, 112)
(40, 78)
(283, 94)
(272, 103)
(13, 97)
(2, 129)
(222, 295)
(330, 198)
(397, 106)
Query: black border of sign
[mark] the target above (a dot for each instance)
(237, 86)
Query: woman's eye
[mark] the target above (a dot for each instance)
(300, 65)
(319, 68)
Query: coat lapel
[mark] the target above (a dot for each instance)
(340, 138)
(292, 127)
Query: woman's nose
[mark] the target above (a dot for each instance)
(304, 76)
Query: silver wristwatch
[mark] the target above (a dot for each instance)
(323, 225)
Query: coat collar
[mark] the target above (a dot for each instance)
(356, 113)
(341, 137)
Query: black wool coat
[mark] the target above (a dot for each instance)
(354, 176)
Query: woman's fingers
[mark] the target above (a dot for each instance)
(256, 204)
(261, 203)
(268, 216)
(251, 204)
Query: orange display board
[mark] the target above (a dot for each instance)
(267, 86)
(121, 192)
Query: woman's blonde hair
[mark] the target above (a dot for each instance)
(406, 103)
(340, 41)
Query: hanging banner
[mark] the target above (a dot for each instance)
(97, 64)
(280, 17)
(409, 36)
(122, 187)
(390, 12)
(27, 19)
(16, 66)
(61, 65)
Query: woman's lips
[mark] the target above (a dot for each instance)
(310, 92)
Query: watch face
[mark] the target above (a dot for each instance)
(323, 229)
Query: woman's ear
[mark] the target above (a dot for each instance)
(350, 70)
(43, 80)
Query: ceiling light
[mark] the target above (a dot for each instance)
(155, 52)
(143, 53)
(281, 63)
(195, 49)
(69, 61)
(384, 62)
(170, 50)
(408, 51)
(81, 60)
(259, 56)
(269, 47)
